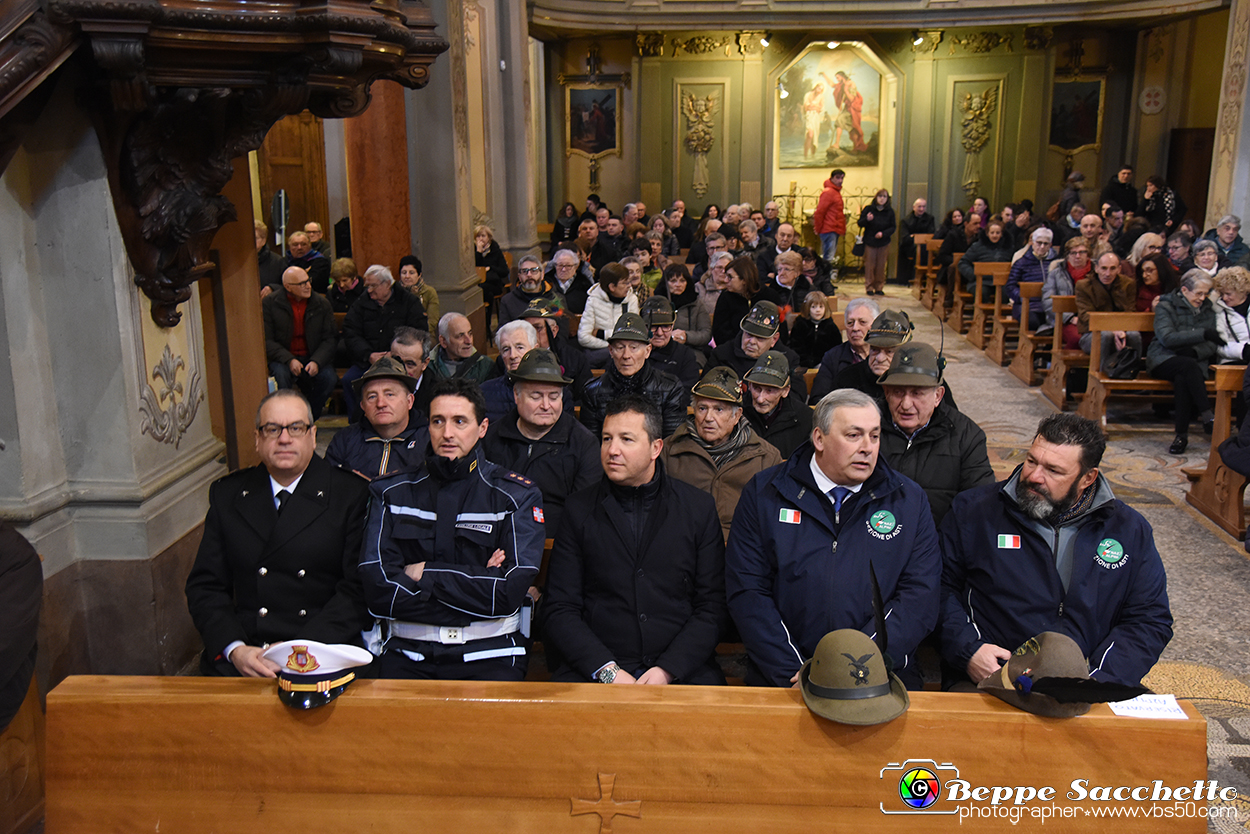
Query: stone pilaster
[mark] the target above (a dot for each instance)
(1230, 168)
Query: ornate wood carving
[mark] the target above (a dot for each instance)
(701, 45)
(981, 42)
(180, 88)
(606, 806)
(650, 44)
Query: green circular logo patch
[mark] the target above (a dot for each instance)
(883, 521)
(1110, 551)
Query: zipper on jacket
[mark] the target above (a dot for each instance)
(1061, 609)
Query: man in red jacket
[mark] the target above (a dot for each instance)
(829, 221)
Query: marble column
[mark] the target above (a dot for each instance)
(377, 173)
(1230, 169)
(512, 195)
(439, 175)
(109, 441)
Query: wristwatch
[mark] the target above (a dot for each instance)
(608, 673)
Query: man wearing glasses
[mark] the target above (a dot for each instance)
(529, 287)
(571, 279)
(300, 338)
(280, 547)
(628, 372)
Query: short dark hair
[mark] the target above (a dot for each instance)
(461, 387)
(612, 273)
(284, 394)
(1125, 167)
(1112, 207)
(1071, 429)
(675, 269)
(835, 172)
(409, 260)
(652, 421)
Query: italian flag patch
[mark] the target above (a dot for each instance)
(789, 516)
(1008, 542)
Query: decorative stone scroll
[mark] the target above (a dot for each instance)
(981, 42)
(168, 422)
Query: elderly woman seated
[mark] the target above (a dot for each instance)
(716, 449)
(1185, 342)
(1232, 305)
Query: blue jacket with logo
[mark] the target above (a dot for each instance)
(793, 574)
(1000, 591)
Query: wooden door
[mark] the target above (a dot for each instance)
(1189, 168)
(293, 157)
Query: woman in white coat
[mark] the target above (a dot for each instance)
(606, 302)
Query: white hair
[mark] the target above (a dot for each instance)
(515, 326)
(1041, 232)
(444, 323)
(855, 303)
(380, 272)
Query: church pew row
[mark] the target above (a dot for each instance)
(1217, 491)
(201, 755)
(1062, 360)
(1102, 387)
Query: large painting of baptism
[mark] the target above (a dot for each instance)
(830, 114)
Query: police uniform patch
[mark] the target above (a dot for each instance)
(520, 479)
(472, 525)
(538, 514)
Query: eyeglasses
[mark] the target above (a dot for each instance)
(294, 284)
(273, 431)
(566, 266)
(532, 270)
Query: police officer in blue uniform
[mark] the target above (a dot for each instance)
(450, 550)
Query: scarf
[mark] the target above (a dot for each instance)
(1083, 503)
(690, 296)
(729, 448)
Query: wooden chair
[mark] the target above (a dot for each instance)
(1218, 492)
(809, 376)
(922, 263)
(23, 766)
(1029, 346)
(983, 311)
(1062, 360)
(944, 289)
(960, 316)
(931, 274)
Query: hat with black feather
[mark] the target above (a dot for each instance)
(1049, 676)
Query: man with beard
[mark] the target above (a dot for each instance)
(1052, 549)
(528, 288)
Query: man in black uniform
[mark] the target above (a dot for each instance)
(450, 550)
(636, 585)
(281, 542)
(776, 415)
(542, 441)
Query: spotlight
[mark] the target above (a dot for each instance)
(919, 39)
(783, 91)
(764, 42)
(833, 44)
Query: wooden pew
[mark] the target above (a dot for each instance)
(929, 290)
(984, 311)
(923, 263)
(1062, 360)
(199, 755)
(1101, 386)
(1028, 344)
(22, 766)
(1003, 324)
(945, 289)
(1217, 491)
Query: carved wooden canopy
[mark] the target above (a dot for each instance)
(181, 87)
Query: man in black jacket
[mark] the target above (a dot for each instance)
(280, 547)
(924, 437)
(628, 373)
(667, 355)
(777, 416)
(542, 441)
(570, 277)
(300, 338)
(761, 331)
(636, 585)
(391, 436)
(917, 222)
(301, 253)
(889, 330)
(370, 324)
(548, 321)
(1120, 190)
(529, 287)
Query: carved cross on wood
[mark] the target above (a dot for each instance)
(605, 806)
(592, 76)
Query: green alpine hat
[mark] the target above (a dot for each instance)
(720, 383)
(915, 364)
(771, 369)
(764, 320)
(631, 327)
(847, 681)
(539, 365)
(890, 329)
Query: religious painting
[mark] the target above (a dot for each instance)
(829, 110)
(592, 126)
(1076, 114)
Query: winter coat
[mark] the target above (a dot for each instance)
(686, 460)
(811, 340)
(320, 335)
(790, 425)
(1059, 282)
(601, 315)
(1093, 296)
(981, 251)
(564, 461)
(1028, 268)
(795, 570)
(676, 360)
(1234, 329)
(945, 457)
(830, 215)
(1178, 326)
(1000, 584)
(882, 221)
(369, 327)
(657, 602)
(663, 390)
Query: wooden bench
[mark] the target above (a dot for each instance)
(1102, 387)
(1217, 491)
(1030, 347)
(929, 290)
(945, 288)
(23, 766)
(1062, 360)
(923, 262)
(199, 755)
(985, 311)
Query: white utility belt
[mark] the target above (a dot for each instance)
(456, 635)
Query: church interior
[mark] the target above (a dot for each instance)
(136, 149)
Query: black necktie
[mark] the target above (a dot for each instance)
(282, 497)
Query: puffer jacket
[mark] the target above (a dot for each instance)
(1177, 326)
(1028, 268)
(1058, 282)
(983, 250)
(601, 315)
(662, 389)
(1234, 328)
(686, 460)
